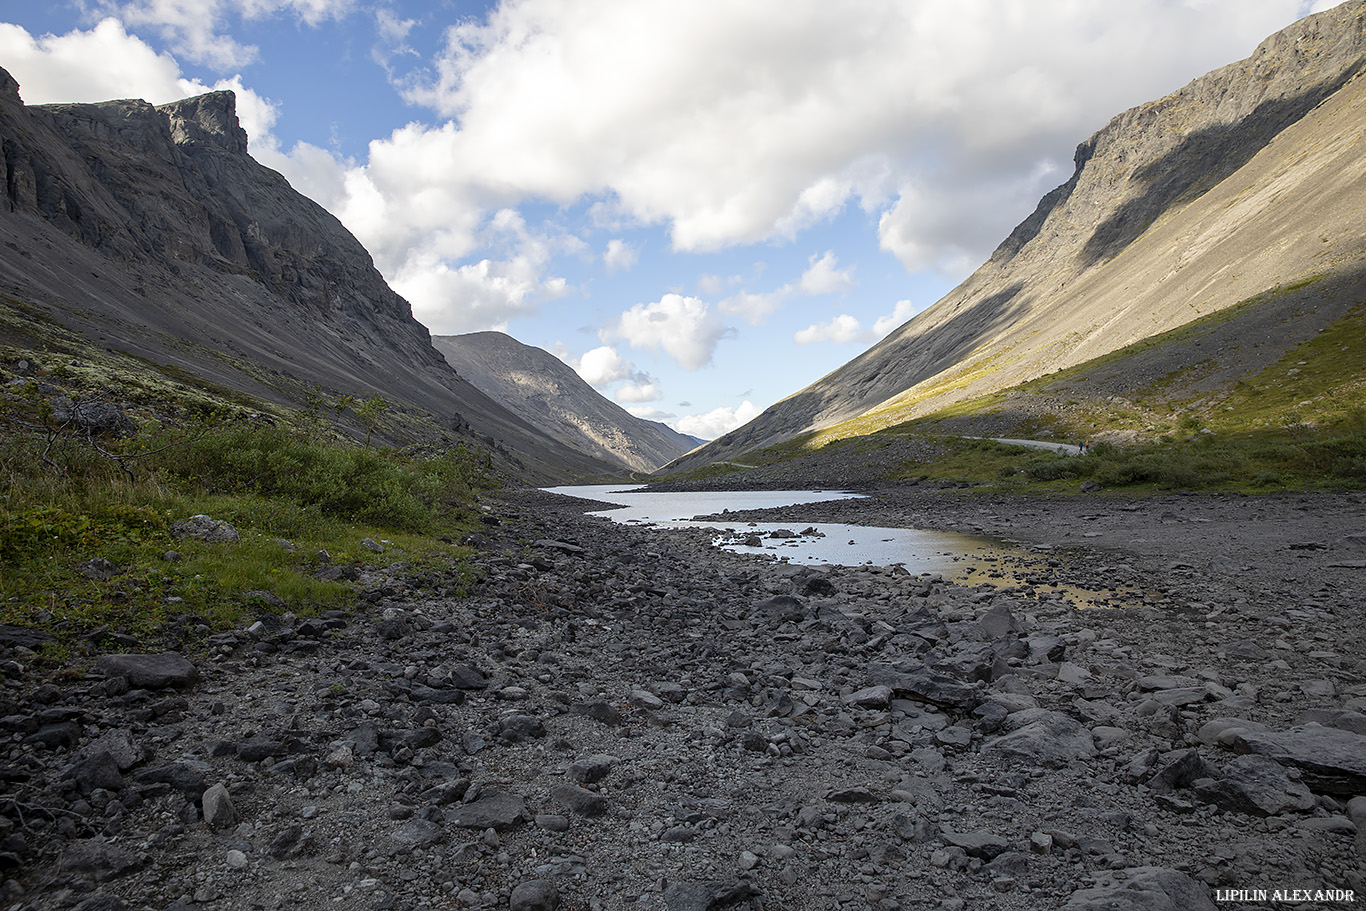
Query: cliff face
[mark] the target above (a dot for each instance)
(1248, 178)
(539, 386)
(152, 229)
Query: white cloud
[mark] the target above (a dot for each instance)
(746, 122)
(843, 328)
(903, 311)
(648, 391)
(100, 64)
(603, 366)
(619, 255)
(717, 422)
(682, 327)
(822, 276)
(752, 307)
(198, 29)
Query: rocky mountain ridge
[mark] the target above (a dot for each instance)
(1246, 181)
(539, 386)
(150, 230)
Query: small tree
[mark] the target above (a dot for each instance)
(369, 412)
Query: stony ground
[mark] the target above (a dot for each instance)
(616, 717)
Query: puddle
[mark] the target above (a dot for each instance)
(971, 560)
(815, 544)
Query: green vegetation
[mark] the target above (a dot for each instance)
(86, 545)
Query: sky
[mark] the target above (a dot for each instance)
(700, 205)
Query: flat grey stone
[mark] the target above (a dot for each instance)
(712, 896)
(1257, 785)
(1144, 889)
(579, 801)
(99, 860)
(150, 672)
(1046, 738)
(492, 810)
(1331, 760)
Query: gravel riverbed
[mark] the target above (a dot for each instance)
(617, 717)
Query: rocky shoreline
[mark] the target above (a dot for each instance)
(618, 717)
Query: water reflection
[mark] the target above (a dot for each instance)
(823, 543)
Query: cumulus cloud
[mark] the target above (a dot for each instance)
(845, 328)
(902, 312)
(604, 366)
(823, 277)
(748, 122)
(99, 64)
(684, 328)
(106, 62)
(198, 29)
(717, 422)
(619, 255)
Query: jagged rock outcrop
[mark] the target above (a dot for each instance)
(150, 229)
(536, 384)
(1246, 180)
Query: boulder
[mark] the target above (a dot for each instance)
(1044, 738)
(1330, 760)
(1144, 889)
(150, 672)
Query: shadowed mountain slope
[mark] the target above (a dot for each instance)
(151, 231)
(542, 388)
(1249, 179)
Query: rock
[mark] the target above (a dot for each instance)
(219, 812)
(418, 833)
(712, 896)
(598, 711)
(1044, 737)
(181, 776)
(998, 622)
(1223, 730)
(579, 801)
(99, 860)
(1256, 785)
(980, 844)
(1331, 760)
(150, 672)
(99, 569)
(924, 685)
(372, 545)
(535, 895)
(1144, 889)
(872, 697)
(491, 810)
(206, 529)
(100, 770)
(592, 769)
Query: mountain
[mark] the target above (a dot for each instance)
(539, 386)
(1245, 185)
(151, 231)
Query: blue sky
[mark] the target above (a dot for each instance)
(701, 205)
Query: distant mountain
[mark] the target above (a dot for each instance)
(542, 388)
(1249, 183)
(151, 231)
